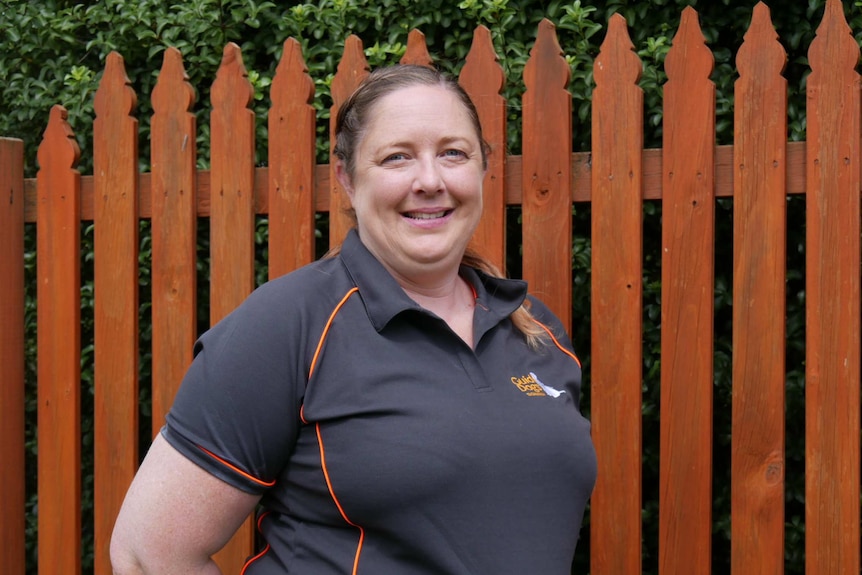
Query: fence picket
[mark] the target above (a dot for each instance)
(688, 242)
(173, 231)
(352, 69)
(546, 179)
(291, 164)
(616, 308)
(759, 248)
(832, 366)
(115, 169)
(58, 241)
(232, 223)
(482, 78)
(417, 50)
(12, 397)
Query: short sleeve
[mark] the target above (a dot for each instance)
(236, 413)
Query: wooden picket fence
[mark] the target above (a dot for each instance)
(688, 174)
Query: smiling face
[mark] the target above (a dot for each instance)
(416, 182)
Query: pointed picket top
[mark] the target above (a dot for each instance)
(59, 149)
(352, 70)
(115, 94)
(832, 356)
(546, 58)
(833, 45)
(291, 84)
(482, 74)
(688, 231)
(417, 50)
(761, 54)
(115, 209)
(759, 229)
(546, 176)
(173, 92)
(689, 55)
(232, 88)
(291, 163)
(617, 62)
(617, 189)
(173, 200)
(483, 78)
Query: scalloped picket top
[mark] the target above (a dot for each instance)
(115, 95)
(483, 79)
(352, 70)
(291, 163)
(832, 354)
(417, 50)
(232, 88)
(761, 56)
(59, 148)
(173, 93)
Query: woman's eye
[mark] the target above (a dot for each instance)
(454, 153)
(394, 157)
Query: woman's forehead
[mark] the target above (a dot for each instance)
(418, 105)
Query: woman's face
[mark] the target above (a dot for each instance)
(417, 183)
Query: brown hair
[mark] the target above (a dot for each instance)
(350, 125)
(352, 118)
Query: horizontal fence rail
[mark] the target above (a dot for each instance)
(759, 171)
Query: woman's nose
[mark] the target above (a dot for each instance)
(427, 177)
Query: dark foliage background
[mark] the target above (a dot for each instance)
(53, 51)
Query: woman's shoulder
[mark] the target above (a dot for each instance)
(297, 300)
(319, 281)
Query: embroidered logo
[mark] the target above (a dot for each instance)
(533, 386)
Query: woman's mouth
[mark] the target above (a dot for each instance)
(427, 215)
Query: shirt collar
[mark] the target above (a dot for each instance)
(496, 298)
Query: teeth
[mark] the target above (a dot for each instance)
(420, 216)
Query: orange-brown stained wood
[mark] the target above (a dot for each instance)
(759, 232)
(417, 50)
(482, 78)
(174, 232)
(616, 308)
(232, 186)
(546, 179)
(291, 164)
(352, 69)
(581, 182)
(688, 272)
(833, 273)
(232, 223)
(59, 344)
(12, 512)
(115, 169)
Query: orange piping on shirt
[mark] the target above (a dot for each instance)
(253, 559)
(320, 438)
(338, 503)
(326, 329)
(564, 350)
(262, 553)
(235, 468)
(320, 343)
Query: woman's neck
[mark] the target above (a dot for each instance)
(453, 301)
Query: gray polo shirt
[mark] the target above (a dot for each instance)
(383, 444)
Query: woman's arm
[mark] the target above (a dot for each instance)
(175, 516)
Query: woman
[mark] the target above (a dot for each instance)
(395, 408)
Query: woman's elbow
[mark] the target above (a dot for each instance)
(124, 561)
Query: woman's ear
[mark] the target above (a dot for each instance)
(343, 177)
